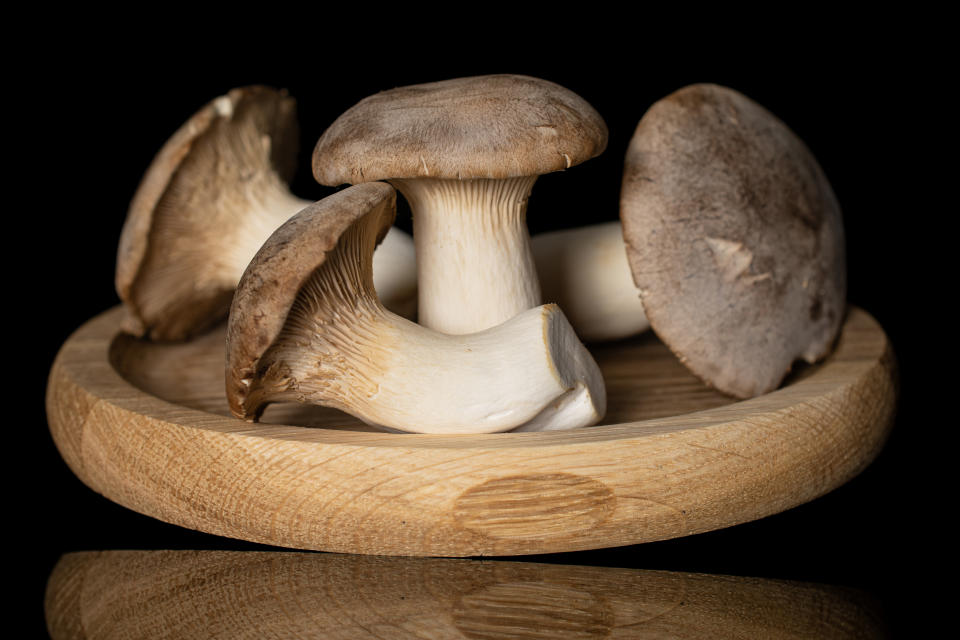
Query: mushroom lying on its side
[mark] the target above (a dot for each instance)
(306, 326)
(465, 153)
(215, 191)
(585, 271)
(735, 239)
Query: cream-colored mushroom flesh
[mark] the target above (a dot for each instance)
(735, 239)
(585, 271)
(465, 153)
(472, 244)
(395, 273)
(306, 326)
(213, 193)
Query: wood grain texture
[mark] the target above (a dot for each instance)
(231, 594)
(148, 427)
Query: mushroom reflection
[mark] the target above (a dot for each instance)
(231, 594)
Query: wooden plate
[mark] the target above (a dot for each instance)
(147, 426)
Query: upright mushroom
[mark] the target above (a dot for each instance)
(735, 239)
(306, 326)
(465, 153)
(215, 191)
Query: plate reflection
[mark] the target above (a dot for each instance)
(237, 594)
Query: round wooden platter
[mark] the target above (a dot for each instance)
(147, 426)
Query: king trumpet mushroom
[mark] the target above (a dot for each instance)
(735, 239)
(465, 153)
(214, 192)
(306, 326)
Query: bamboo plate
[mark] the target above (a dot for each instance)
(147, 426)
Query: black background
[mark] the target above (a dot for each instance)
(91, 118)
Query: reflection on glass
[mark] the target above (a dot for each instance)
(234, 594)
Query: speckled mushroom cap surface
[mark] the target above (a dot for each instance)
(496, 126)
(188, 204)
(270, 285)
(734, 237)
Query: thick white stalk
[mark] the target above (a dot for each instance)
(390, 372)
(585, 271)
(395, 273)
(475, 269)
(394, 260)
(266, 210)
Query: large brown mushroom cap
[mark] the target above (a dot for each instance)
(498, 126)
(174, 272)
(735, 239)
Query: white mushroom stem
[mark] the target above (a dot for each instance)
(395, 273)
(264, 211)
(576, 407)
(394, 260)
(475, 269)
(585, 271)
(391, 372)
(340, 348)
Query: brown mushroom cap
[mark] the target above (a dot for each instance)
(223, 158)
(735, 239)
(276, 275)
(497, 126)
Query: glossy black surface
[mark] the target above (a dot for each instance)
(91, 122)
